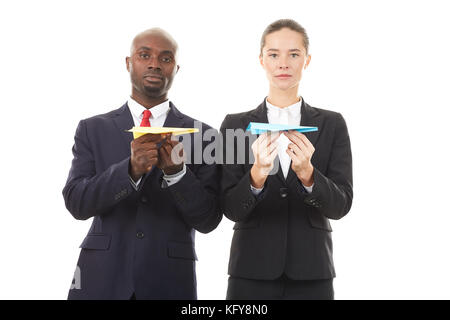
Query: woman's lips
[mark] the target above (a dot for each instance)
(283, 76)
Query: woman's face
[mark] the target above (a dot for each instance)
(284, 58)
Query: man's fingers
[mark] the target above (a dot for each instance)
(149, 137)
(164, 154)
(148, 146)
(173, 143)
(151, 155)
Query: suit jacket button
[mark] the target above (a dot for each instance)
(140, 235)
(144, 199)
(283, 192)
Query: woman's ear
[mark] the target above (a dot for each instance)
(308, 60)
(261, 60)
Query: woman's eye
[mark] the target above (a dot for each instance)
(273, 55)
(294, 55)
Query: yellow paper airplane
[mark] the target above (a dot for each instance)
(140, 131)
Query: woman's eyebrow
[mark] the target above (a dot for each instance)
(279, 50)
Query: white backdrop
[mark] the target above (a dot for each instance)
(383, 64)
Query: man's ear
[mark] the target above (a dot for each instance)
(178, 68)
(127, 61)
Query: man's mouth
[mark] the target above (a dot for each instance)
(153, 77)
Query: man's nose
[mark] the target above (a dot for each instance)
(153, 63)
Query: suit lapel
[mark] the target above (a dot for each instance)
(174, 118)
(124, 121)
(257, 115)
(310, 117)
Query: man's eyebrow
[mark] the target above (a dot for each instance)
(144, 48)
(150, 49)
(167, 52)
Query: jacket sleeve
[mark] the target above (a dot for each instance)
(332, 194)
(88, 193)
(237, 199)
(196, 196)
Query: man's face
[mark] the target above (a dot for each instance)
(284, 58)
(152, 64)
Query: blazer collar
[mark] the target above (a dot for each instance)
(124, 121)
(174, 118)
(259, 114)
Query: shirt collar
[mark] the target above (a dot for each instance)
(136, 108)
(293, 109)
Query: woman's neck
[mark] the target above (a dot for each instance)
(283, 98)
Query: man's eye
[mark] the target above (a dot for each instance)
(144, 55)
(166, 59)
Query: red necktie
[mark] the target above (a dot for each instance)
(145, 119)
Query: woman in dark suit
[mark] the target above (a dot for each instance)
(288, 185)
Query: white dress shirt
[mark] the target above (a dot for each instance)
(157, 119)
(290, 115)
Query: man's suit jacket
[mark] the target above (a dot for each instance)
(141, 241)
(284, 229)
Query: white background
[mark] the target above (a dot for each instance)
(383, 64)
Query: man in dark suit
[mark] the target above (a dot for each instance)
(145, 203)
(282, 246)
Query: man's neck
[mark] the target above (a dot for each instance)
(147, 101)
(283, 98)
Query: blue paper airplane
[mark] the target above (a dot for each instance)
(258, 128)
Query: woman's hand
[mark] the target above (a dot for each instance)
(264, 150)
(301, 151)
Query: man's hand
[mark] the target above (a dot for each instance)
(264, 150)
(144, 154)
(171, 156)
(301, 151)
